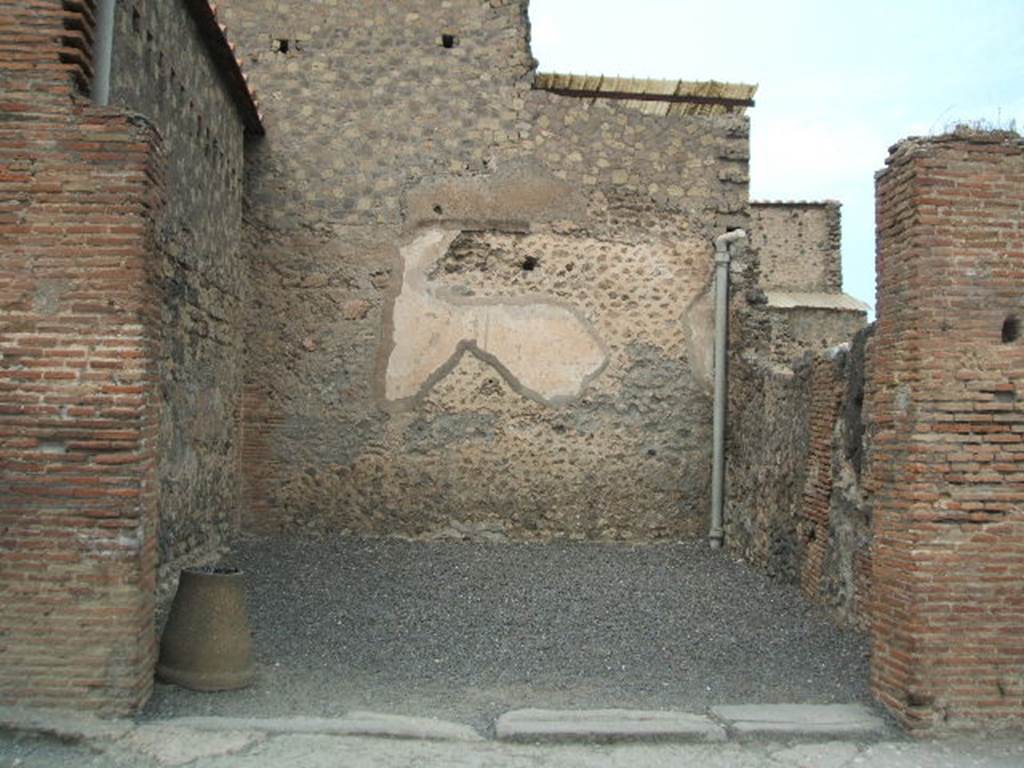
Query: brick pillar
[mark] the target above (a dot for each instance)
(945, 386)
(79, 188)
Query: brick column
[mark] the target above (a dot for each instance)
(79, 188)
(945, 390)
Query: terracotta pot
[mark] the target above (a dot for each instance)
(207, 644)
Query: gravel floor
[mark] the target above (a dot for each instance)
(465, 631)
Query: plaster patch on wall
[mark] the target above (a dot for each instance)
(699, 323)
(542, 347)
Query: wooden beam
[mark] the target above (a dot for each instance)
(581, 93)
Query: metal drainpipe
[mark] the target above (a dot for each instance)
(722, 257)
(104, 51)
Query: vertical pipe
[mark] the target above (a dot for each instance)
(104, 49)
(722, 259)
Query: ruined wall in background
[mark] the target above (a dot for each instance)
(798, 328)
(163, 70)
(798, 244)
(793, 497)
(476, 307)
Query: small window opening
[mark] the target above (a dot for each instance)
(283, 45)
(1011, 329)
(449, 40)
(530, 263)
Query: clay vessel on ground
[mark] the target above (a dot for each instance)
(207, 642)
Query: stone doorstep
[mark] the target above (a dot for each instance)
(354, 723)
(605, 725)
(801, 720)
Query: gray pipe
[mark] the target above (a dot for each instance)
(722, 257)
(104, 49)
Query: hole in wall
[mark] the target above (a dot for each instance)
(282, 45)
(530, 263)
(449, 40)
(1011, 329)
(136, 20)
(438, 210)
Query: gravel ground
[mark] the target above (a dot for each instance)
(465, 631)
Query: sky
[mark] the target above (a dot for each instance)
(838, 82)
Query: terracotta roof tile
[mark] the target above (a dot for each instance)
(228, 63)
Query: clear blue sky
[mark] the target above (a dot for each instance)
(838, 82)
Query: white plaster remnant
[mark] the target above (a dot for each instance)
(542, 347)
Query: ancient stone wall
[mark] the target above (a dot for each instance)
(946, 463)
(477, 309)
(798, 244)
(162, 69)
(78, 394)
